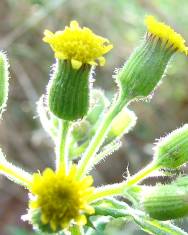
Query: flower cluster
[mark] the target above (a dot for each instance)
(64, 198)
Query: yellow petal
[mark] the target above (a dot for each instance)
(60, 55)
(101, 60)
(89, 209)
(107, 48)
(44, 219)
(81, 220)
(76, 64)
(92, 62)
(74, 24)
(48, 33)
(53, 225)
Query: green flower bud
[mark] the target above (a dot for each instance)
(99, 103)
(68, 93)
(182, 182)
(146, 67)
(80, 130)
(122, 124)
(172, 150)
(166, 202)
(4, 77)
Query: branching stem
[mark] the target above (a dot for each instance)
(86, 162)
(119, 189)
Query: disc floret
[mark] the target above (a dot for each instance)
(166, 34)
(79, 45)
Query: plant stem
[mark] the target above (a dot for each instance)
(107, 150)
(142, 174)
(86, 163)
(14, 173)
(119, 189)
(63, 145)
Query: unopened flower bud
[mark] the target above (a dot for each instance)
(69, 91)
(182, 182)
(147, 65)
(122, 124)
(80, 130)
(99, 103)
(171, 150)
(166, 202)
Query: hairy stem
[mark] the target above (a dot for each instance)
(87, 161)
(63, 145)
(119, 189)
(14, 173)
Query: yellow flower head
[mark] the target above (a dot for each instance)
(61, 198)
(80, 45)
(166, 34)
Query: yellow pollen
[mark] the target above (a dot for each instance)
(79, 45)
(166, 34)
(61, 198)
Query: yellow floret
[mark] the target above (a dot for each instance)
(80, 45)
(166, 34)
(61, 198)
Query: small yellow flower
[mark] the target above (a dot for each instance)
(61, 198)
(166, 34)
(80, 45)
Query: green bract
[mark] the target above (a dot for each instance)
(69, 91)
(144, 69)
(166, 202)
(171, 150)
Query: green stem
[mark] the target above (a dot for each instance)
(107, 150)
(14, 173)
(62, 151)
(75, 152)
(119, 189)
(86, 162)
(111, 212)
(142, 174)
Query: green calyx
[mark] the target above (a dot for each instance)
(171, 151)
(68, 94)
(166, 202)
(144, 69)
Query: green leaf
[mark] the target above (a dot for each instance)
(157, 228)
(98, 225)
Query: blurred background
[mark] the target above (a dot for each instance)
(23, 140)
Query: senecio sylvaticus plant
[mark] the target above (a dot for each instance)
(86, 127)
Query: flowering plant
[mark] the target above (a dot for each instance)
(86, 128)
